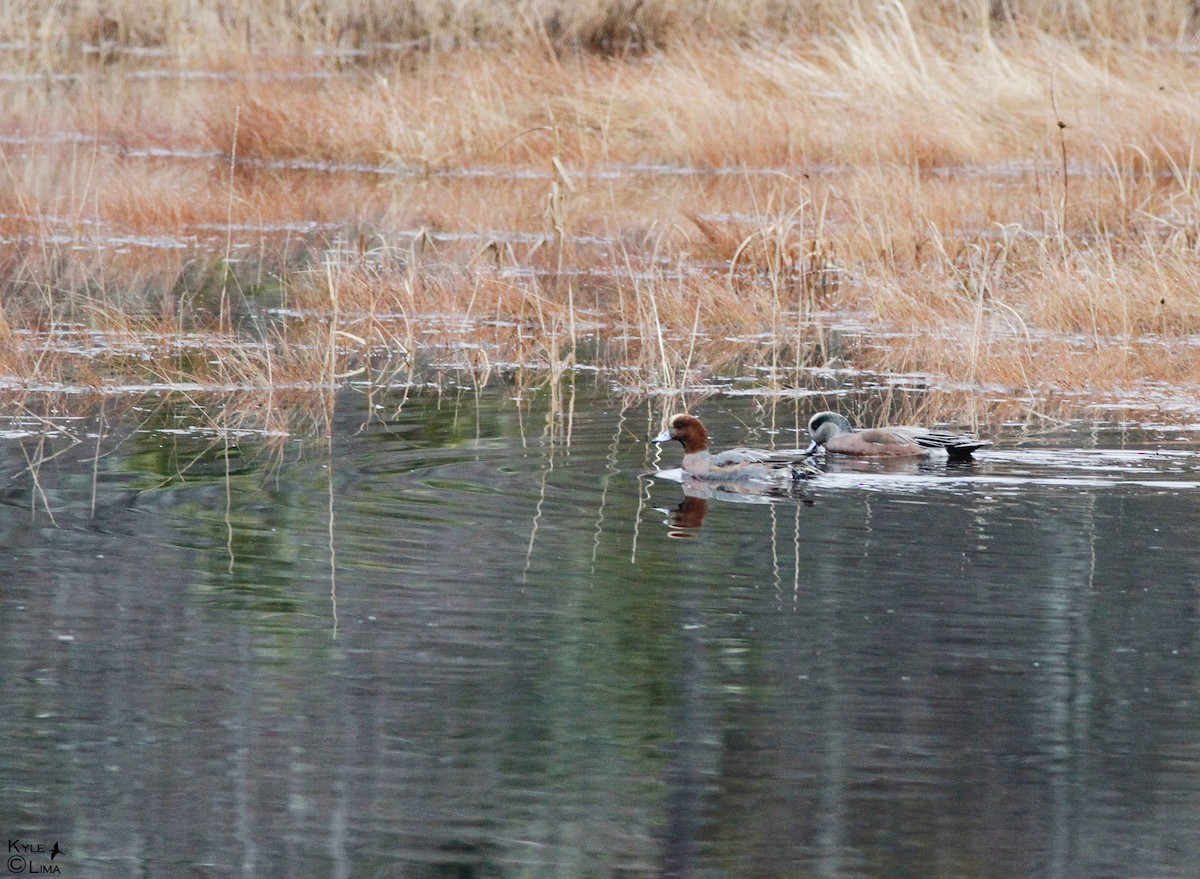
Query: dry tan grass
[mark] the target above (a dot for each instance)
(902, 170)
(871, 98)
(361, 28)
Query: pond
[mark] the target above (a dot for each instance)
(465, 635)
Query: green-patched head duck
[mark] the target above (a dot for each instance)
(835, 433)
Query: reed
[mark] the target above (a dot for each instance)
(674, 191)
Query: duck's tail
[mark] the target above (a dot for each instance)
(956, 445)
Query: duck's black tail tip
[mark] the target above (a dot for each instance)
(964, 451)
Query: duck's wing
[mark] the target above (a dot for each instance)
(781, 457)
(761, 465)
(756, 463)
(957, 445)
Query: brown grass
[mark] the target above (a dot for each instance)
(362, 29)
(673, 194)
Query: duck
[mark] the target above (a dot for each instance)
(836, 434)
(732, 465)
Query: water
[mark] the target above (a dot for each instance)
(466, 637)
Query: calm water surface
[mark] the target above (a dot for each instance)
(466, 638)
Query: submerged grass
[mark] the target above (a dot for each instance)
(1001, 197)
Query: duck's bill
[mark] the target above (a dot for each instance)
(663, 437)
(812, 449)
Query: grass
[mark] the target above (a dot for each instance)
(1000, 196)
(363, 29)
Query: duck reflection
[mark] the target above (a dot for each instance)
(890, 466)
(687, 517)
(933, 467)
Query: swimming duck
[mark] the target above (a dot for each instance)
(733, 465)
(836, 434)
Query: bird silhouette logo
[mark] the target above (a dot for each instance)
(55, 851)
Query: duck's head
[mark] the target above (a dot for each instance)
(686, 429)
(824, 426)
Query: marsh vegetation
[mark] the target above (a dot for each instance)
(998, 199)
(331, 338)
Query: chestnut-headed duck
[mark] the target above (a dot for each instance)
(836, 434)
(733, 465)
